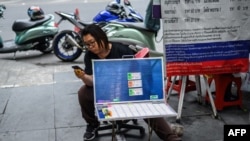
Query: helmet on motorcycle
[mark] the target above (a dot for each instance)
(35, 13)
(115, 7)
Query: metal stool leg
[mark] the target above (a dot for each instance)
(170, 89)
(182, 93)
(210, 97)
(198, 88)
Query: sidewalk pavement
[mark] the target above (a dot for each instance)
(40, 104)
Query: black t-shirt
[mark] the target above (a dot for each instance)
(118, 50)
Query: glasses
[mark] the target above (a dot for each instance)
(90, 44)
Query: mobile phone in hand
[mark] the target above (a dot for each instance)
(77, 67)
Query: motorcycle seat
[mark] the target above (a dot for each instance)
(83, 23)
(23, 24)
(138, 26)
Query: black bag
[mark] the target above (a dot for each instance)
(150, 22)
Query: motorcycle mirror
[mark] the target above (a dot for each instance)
(127, 3)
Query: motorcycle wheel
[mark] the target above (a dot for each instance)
(45, 45)
(47, 50)
(64, 50)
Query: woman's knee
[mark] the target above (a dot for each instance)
(81, 90)
(85, 93)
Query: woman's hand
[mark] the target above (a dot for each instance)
(79, 73)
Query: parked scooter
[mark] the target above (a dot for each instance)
(35, 33)
(68, 45)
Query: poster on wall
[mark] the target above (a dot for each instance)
(206, 36)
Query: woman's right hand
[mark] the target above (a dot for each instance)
(79, 73)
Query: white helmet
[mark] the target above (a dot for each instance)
(115, 7)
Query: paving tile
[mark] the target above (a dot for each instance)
(29, 108)
(4, 98)
(34, 135)
(64, 77)
(67, 108)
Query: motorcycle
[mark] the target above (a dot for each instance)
(114, 11)
(31, 35)
(64, 43)
(61, 45)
